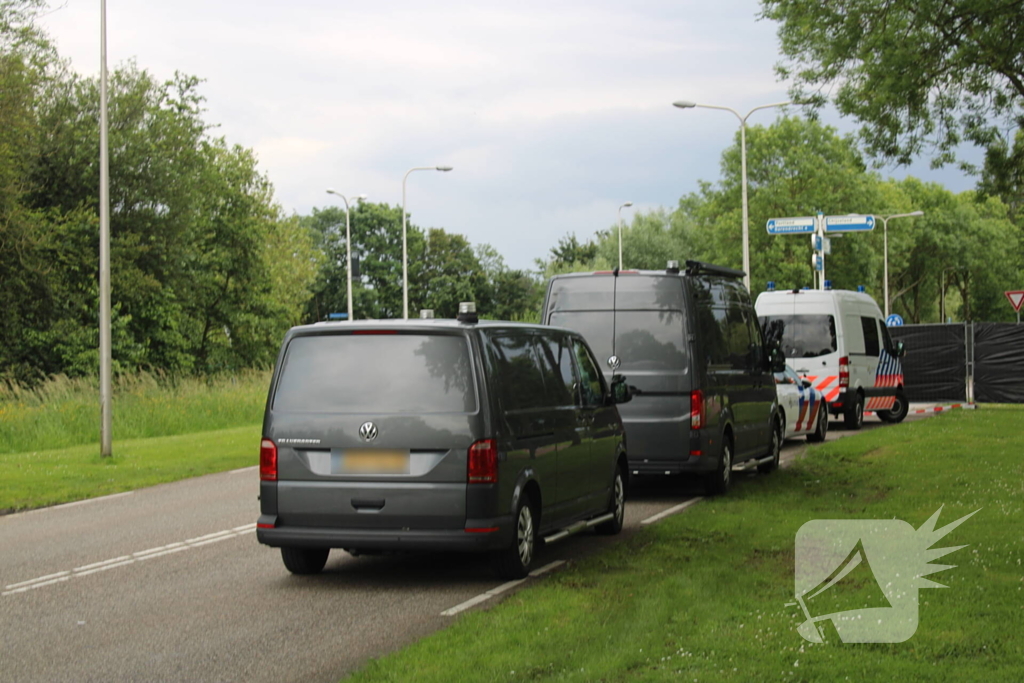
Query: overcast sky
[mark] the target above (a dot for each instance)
(551, 113)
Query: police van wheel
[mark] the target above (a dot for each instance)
(899, 410)
(854, 418)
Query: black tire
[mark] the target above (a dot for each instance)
(898, 412)
(513, 561)
(854, 417)
(821, 430)
(305, 560)
(617, 506)
(717, 484)
(776, 451)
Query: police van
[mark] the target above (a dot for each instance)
(837, 339)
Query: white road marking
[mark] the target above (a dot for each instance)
(671, 511)
(483, 597)
(76, 503)
(123, 560)
(240, 470)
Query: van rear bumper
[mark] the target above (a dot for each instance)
(391, 539)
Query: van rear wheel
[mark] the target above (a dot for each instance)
(513, 561)
(854, 418)
(305, 560)
(617, 507)
(717, 483)
(776, 451)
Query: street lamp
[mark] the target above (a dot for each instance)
(885, 251)
(405, 255)
(684, 104)
(619, 212)
(348, 245)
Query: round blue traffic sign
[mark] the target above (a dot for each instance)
(893, 320)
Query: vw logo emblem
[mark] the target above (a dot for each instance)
(614, 362)
(368, 431)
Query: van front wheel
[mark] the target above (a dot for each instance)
(899, 410)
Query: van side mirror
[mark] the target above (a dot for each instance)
(805, 383)
(900, 350)
(776, 359)
(621, 392)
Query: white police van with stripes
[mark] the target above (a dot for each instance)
(837, 339)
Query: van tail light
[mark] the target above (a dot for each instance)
(268, 460)
(697, 410)
(844, 371)
(482, 464)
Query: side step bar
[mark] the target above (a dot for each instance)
(577, 527)
(751, 464)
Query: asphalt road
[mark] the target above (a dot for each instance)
(168, 583)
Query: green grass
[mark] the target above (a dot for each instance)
(702, 595)
(63, 412)
(34, 479)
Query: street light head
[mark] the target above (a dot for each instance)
(330, 190)
(444, 168)
(628, 204)
(360, 197)
(916, 213)
(684, 104)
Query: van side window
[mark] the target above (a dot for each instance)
(556, 366)
(517, 378)
(730, 343)
(755, 355)
(591, 386)
(870, 328)
(887, 342)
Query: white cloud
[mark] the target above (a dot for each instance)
(552, 113)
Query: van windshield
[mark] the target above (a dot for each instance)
(376, 373)
(645, 340)
(805, 336)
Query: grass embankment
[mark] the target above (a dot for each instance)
(702, 596)
(164, 430)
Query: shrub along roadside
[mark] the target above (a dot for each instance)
(702, 595)
(34, 479)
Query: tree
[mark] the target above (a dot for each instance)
(919, 74)
(795, 167)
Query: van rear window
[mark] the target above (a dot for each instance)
(805, 336)
(645, 340)
(379, 374)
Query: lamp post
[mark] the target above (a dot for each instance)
(885, 251)
(348, 245)
(106, 356)
(684, 104)
(405, 255)
(619, 213)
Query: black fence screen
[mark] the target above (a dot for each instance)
(935, 367)
(940, 358)
(998, 363)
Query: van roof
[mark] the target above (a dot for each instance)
(812, 296)
(418, 324)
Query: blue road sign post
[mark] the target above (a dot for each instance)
(791, 226)
(852, 223)
(894, 320)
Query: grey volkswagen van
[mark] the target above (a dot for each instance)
(691, 344)
(459, 435)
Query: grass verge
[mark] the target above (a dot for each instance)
(34, 479)
(65, 412)
(702, 596)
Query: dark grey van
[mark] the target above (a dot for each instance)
(438, 435)
(691, 344)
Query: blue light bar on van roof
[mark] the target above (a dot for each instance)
(771, 285)
(860, 288)
(337, 316)
(828, 284)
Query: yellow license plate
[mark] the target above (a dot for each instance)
(369, 461)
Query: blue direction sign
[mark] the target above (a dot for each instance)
(790, 226)
(849, 223)
(893, 320)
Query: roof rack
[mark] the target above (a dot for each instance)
(699, 268)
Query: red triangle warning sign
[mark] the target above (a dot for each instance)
(1016, 299)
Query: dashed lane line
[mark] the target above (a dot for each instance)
(124, 560)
